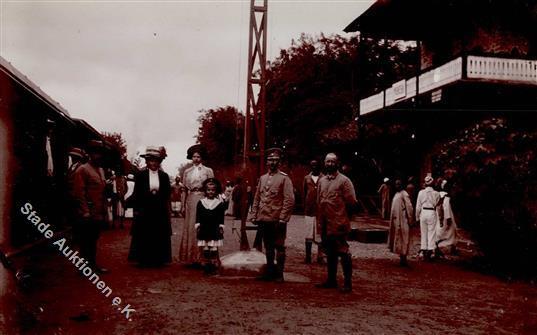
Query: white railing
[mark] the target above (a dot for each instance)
(504, 69)
(477, 68)
(440, 76)
(372, 103)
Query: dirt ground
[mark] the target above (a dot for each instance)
(428, 298)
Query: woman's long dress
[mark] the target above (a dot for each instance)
(151, 229)
(193, 181)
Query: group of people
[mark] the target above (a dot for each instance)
(431, 210)
(203, 202)
(329, 199)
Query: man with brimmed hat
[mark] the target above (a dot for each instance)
(271, 210)
(426, 204)
(89, 195)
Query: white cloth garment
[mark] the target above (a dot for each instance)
(50, 162)
(210, 203)
(196, 173)
(154, 183)
(446, 235)
(428, 229)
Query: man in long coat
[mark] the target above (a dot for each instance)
(89, 195)
(401, 218)
(335, 199)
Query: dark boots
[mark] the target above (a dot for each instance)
(346, 264)
(331, 266)
(210, 267)
(280, 266)
(332, 263)
(309, 244)
(403, 261)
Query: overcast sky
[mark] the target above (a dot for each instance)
(145, 68)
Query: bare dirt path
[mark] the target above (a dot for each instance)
(426, 299)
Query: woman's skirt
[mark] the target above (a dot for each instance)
(188, 249)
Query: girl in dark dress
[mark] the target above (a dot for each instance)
(151, 229)
(209, 225)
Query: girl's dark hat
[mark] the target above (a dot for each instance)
(200, 149)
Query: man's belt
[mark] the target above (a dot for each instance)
(195, 189)
(429, 208)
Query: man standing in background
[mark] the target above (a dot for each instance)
(310, 209)
(336, 198)
(89, 195)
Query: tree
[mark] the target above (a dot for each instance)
(221, 133)
(313, 88)
(116, 140)
(493, 169)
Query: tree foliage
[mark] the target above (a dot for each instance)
(493, 166)
(116, 139)
(221, 133)
(314, 87)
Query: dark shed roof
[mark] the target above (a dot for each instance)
(419, 19)
(23, 81)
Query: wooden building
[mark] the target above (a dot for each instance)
(476, 58)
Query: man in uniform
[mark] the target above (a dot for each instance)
(89, 194)
(310, 208)
(271, 210)
(335, 199)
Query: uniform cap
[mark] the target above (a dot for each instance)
(274, 152)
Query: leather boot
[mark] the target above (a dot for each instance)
(308, 252)
(320, 255)
(331, 266)
(280, 260)
(346, 264)
(207, 261)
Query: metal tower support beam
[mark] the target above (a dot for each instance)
(254, 127)
(254, 123)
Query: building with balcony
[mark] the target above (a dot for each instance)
(475, 59)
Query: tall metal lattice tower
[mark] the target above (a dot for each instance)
(254, 126)
(254, 123)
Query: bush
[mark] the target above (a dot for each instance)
(493, 169)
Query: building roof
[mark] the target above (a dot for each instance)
(419, 19)
(30, 86)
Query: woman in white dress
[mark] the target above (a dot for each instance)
(193, 179)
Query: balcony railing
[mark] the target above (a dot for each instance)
(477, 69)
(503, 69)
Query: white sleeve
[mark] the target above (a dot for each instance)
(447, 209)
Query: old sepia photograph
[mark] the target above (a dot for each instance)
(268, 167)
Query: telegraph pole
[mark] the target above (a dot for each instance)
(254, 122)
